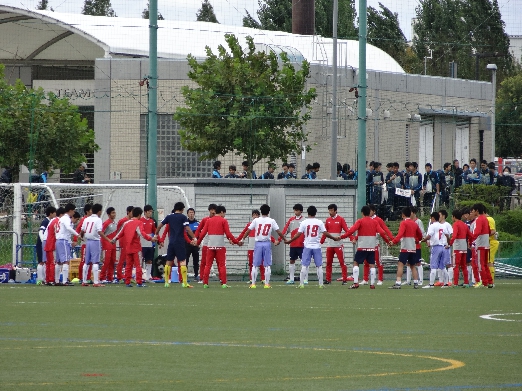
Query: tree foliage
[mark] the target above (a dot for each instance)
(456, 30)
(509, 117)
(43, 5)
(247, 102)
(41, 131)
(206, 13)
(98, 8)
(277, 15)
(145, 13)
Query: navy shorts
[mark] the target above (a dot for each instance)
(419, 255)
(408, 258)
(361, 256)
(147, 253)
(296, 252)
(176, 250)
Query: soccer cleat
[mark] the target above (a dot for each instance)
(224, 286)
(415, 286)
(186, 286)
(115, 281)
(428, 287)
(141, 286)
(406, 283)
(327, 282)
(253, 286)
(321, 286)
(363, 282)
(421, 282)
(128, 285)
(344, 283)
(354, 286)
(372, 286)
(39, 282)
(50, 284)
(478, 285)
(85, 284)
(267, 286)
(301, 286)
(67, 284)
(395, 286)
(445, 286)
(438, 283)
(167, 285)
(450, 284)
(305, 282)
(200, 282)
(491, 286)
(104, 282)
(98, 285)
(205, 286)
(379, 282)
(290, 282)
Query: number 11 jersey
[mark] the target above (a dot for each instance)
(312, 230)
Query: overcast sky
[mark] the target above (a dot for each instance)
(232, 11)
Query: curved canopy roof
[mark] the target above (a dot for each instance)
(30, 36)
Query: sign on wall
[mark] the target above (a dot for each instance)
(80, 92)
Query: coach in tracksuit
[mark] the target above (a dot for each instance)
(190, 249)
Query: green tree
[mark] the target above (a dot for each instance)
(206, 13)
(98, 8)
(41, 131)
(277, 15)
(43, 5)
(246, 101)
(508, 121)
(145, 13)
(456, 30)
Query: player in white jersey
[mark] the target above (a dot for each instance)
(448, 269)
(263, 227)
(312, 229)
(92, 231)
(435, 236)
(63, 245)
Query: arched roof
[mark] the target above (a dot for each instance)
(28, 36)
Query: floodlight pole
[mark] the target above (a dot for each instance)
(333, 172)
(361, 135)
(153, 106)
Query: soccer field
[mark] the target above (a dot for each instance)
(62, 338)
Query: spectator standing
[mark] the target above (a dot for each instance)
(457, 173)
(217, 167)
(80, 176)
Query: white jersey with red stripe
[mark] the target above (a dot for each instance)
(263, 227)
(312, 229)
(436, 233)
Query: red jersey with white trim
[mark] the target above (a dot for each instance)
(149, 226)
(201, 226)
(119, 227)
(52, 229)
(460, 237)
(367, 230)
(334, 225)
(109, 228)
(384, 227)
(409, 234)
(481, 232)
(421, 226)
(130, 234)
(216, 228)
(292, 226)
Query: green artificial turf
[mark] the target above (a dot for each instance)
(62, 338)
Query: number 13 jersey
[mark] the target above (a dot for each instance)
(312, 230)
(263, 227)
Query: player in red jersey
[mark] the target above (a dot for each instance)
(211, 213)
(109, 228)
(130, 233)
(378, 263)
(87, 211)
(334, 225)
(251, 245)
(123, 255)
(216, 228)
(459, 241)
(296, 247)
(50, 245)
(367, 230)
(410, 234)
(480, 237)
(147, 248)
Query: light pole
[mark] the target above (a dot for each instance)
(333, 170)
(361, 134)
(493, 69)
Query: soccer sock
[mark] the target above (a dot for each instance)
(39, 272)
(95, 273)
(84, 272)
(291, 269)
(433, 275)
(253, 276)
(57, 269)
(148, 271)
(420, 271)
(449, 273)
(492, 271)
(184, 274)
(408, 275)
(302, 275)
(439, 274)
(356, 274)
(65, 272)
(44, 272)
(268, 270)
(372, 276)
(320, 275)
(167, 273)
(470, 273)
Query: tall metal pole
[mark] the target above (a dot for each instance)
(153, 105)
(333, 172)
(361, 135)
(493, 69)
